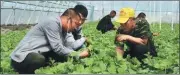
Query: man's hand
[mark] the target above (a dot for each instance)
(88, 42)
(122, 37)
(119, 52)
(86, 39)
(84, 53)
(115, 28)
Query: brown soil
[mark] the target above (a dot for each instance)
(10, 27)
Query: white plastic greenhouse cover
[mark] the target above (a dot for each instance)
(30, 12)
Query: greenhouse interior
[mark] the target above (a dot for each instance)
(89, 37)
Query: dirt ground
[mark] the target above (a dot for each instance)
(10, 27)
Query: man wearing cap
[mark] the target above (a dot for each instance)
(105, 23)
(136, 38)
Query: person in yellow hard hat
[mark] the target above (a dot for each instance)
(136, 38)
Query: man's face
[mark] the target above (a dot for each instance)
(83, 19)
(113, 15)
(129, 25)
(74, 23)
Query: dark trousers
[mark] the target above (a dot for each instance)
(34, 61)
(105, 28)
(137, 51)
(103, 31)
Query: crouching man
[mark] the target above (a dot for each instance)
(138, 39)
(46, 39)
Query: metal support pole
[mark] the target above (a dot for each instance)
(150, 11)
(42, 8)
(49, 8)
(2, 3)
(154, 13)
(32, 13)
(10, 14)
(160, 16)
(172, 25)
(22, 13)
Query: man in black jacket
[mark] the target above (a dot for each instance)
(105, 23)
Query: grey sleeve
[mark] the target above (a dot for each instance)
(54, 37)
(74, 44)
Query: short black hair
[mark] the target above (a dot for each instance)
(70, 12)
(113, 11)
(141, 15)
(81, 9)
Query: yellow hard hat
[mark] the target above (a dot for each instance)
(125, 14)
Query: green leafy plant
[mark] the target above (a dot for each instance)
(103, 59)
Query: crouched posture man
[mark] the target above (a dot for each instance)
(46, 39)
(138, 38)
(105, 23)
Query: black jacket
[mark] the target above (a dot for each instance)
(105, 24)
